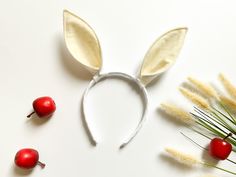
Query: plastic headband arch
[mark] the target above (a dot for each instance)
(84, 46)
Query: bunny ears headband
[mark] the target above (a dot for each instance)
(84, 46)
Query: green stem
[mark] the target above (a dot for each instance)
(223, 121)
(216, 132)
(210, 128)
(229, 119)
(219, 168)
(200, 133)
(206, 118)
(226, 110)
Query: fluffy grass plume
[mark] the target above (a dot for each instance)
(195, 98)
(190, 160)
(206, 89)
(231, 89)
(183, 158)
(177, 113)
(228, 102)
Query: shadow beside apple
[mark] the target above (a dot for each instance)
(21, 172)
(35, 120)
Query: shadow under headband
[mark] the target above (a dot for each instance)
(84, 46)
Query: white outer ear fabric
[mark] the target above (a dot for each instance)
(142, 92)
(82, 42)
(162, 54)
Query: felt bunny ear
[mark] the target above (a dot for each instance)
(162, 54)
(82, 42)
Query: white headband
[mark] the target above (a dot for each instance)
(84, 46)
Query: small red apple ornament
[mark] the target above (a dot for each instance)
(220, 148)
(43, 107)
(28, 158)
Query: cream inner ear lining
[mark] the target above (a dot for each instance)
(141, 90)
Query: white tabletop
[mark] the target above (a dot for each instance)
(35, 62)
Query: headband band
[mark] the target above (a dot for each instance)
(84, 46)
(142, 91)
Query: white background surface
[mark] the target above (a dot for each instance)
(34, 62)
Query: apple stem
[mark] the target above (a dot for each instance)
(230, 134)
(42, 165)
(31, 114)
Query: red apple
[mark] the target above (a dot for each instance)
(28, 158)
(220, 148)
(43, 107)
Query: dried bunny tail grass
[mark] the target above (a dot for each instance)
(195, 98)
(231, 89)
(228, 102)
(177, 112)
(186, 159)
(206, 89)
(190, 160)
